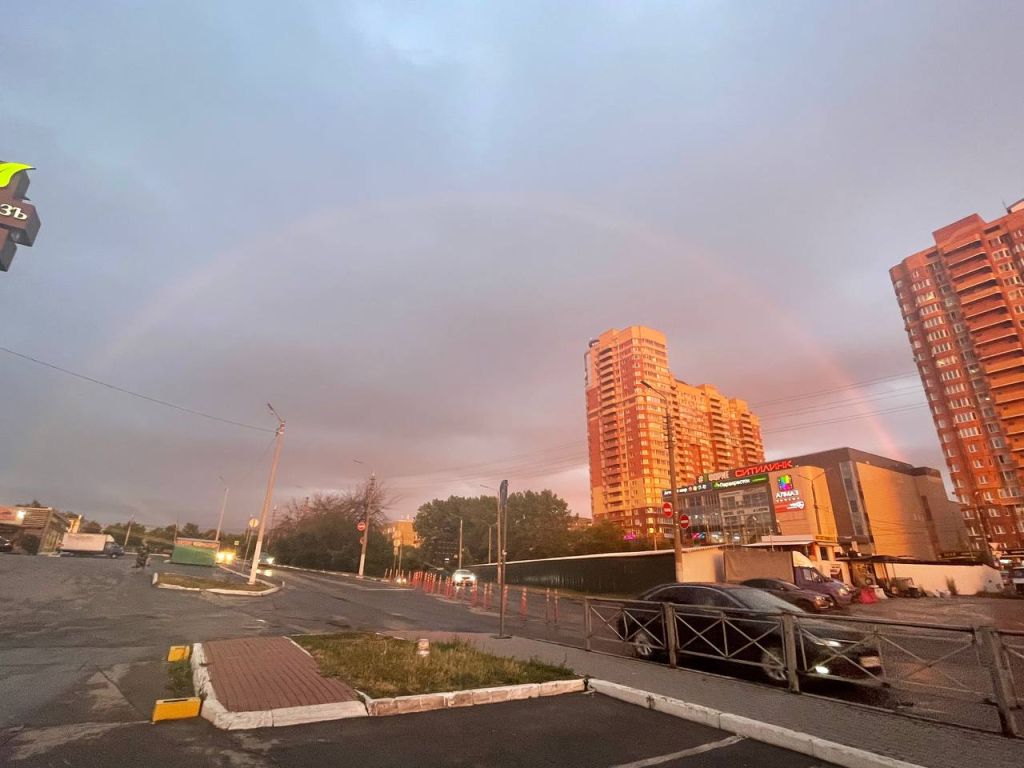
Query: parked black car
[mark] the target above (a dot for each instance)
(730, 622)
(812, 602)
(6, 545)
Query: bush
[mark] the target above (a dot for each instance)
(29, 543)
(951, 586)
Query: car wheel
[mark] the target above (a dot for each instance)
(806, 605)
(643, 645)
(772, 666)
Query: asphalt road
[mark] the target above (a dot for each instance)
(81, 643)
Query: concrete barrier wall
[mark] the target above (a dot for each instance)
(969, 578)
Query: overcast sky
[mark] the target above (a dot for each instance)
(400, 223)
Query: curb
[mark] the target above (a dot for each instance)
(805, 744)
(229, 592)
(221, 718)
(402, 705)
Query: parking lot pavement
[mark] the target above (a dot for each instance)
(961, 611)
(572, 730)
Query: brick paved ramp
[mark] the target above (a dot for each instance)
(265, 673)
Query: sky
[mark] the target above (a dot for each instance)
(401, 223)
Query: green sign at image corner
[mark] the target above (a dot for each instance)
(7, 171)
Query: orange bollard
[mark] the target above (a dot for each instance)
(547, 605)
(522, 606)
(556, 606)
(472, 602)
(487, 596)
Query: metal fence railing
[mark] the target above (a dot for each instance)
(972, 676)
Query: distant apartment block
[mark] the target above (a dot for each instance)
(962, 301)
(627, 436)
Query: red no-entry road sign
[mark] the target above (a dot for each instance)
(667, 508)
(684, 521)
(361, 526)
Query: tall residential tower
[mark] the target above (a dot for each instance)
(626, 430)
(963, 309)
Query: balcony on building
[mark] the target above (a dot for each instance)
(977, 262)
(987, 313)
(991, 351)
(1002, 330)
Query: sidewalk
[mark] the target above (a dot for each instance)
(915, 741)
(269, 673)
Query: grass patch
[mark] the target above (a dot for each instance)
(384, 666)
(193, 581)
(179, 679)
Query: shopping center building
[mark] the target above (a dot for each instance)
(843, 498)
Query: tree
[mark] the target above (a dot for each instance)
(437, 524)
(90, 526)
(601, 537)
(190, 531)
(322, 532)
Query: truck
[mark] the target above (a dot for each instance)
(745, 564)
(90, 545)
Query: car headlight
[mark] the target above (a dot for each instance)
(821, 600)
(844, 591)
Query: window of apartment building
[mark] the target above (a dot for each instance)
(941, 424)
(984, 479)
(997, 442)
(987, 495)
(948, 375)
(932, 321)
(939, 334)
(1015, 280)
(961, 402)
(1020, 526)
(946, 437)
(1004, 267)
(977, 463)
(958, 328)
(992, 428)
(942, 362)
(939, 348)
(963, 418)
(917, 344)
(950, 302)
(968, 514)
(929, 309)
(970, 432)
(972, 448)
(956, 389)
(898, 283)
(989, 411)
(998, 529)
(949, 453)
(1003, 459)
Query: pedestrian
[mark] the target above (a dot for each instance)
(143, 556)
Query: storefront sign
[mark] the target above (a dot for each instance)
(19, 222)
(12, 516)
(757, 469)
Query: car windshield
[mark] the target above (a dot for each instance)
(812, 574)
(757, 600)
(463, 573)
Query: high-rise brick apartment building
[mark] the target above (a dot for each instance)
(963, 307)
(626, 430)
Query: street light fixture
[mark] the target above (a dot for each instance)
(677, 543)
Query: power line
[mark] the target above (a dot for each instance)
(904, 392)
(854, 385)
(899, 409)
(124, 391)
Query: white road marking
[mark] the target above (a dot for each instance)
(711, 745)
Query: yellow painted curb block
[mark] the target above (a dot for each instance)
(178, 653)
(176, 709)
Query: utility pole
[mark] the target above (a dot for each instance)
(460, 543)
(128, 532)
(366, 520)
(502, 542)
(270, 494)
(223, 507)
(678, 538)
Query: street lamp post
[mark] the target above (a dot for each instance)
(366, 518)
(223, 507)
(677, 539)
(128, 532)
(270, 494)
(497, 522)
